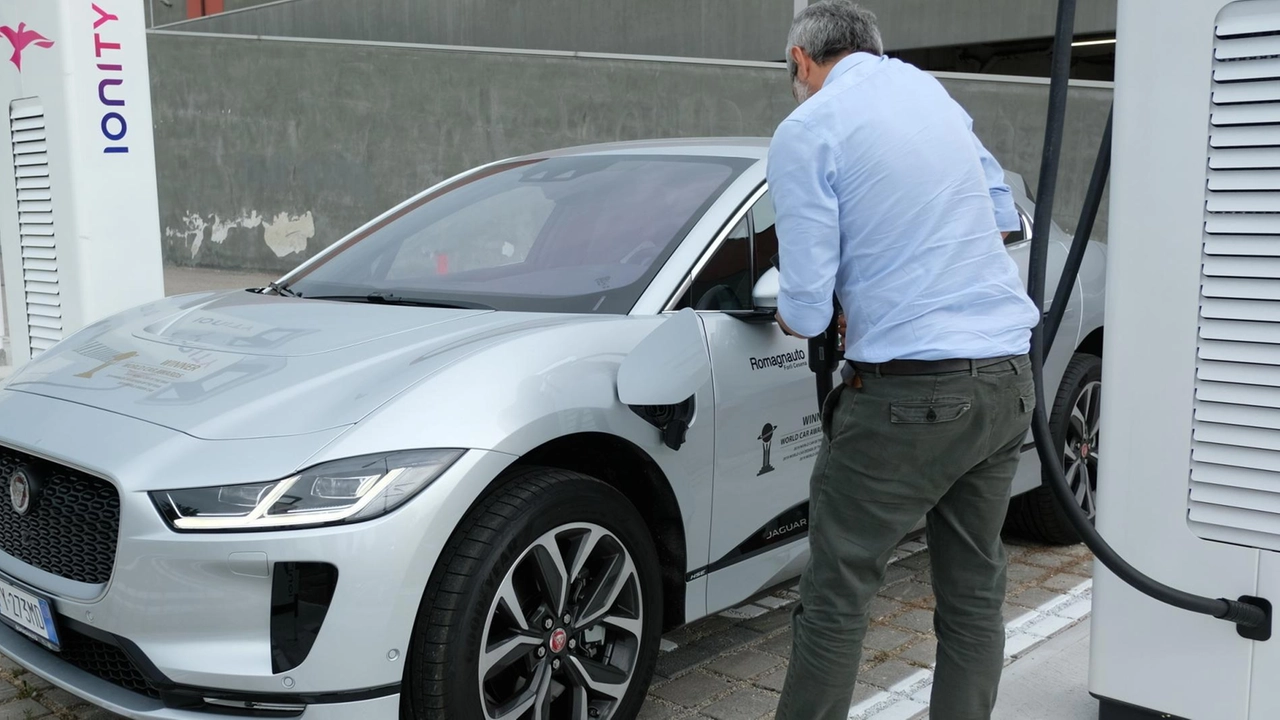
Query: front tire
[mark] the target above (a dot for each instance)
(545, 604)
(1075, 423)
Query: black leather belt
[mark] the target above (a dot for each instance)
(928, 367)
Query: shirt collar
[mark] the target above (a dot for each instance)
(847, 64)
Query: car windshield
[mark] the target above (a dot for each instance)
(576, 234)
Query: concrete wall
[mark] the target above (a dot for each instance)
(270, 150)
(909, 24)
(164, 12)
(735, 29)
(159, 13)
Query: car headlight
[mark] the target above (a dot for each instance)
(348, 490)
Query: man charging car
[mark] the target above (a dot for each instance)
(887, 201)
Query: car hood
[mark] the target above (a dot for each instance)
(241, 365)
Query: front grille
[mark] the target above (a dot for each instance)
(105, 661)
(72, 524)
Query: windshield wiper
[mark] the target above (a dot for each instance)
(282, 289)
(386, 298)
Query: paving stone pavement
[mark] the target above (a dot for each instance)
(731, 666)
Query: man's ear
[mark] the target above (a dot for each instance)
(801, 62)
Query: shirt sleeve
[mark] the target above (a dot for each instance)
(1006, 213)
(802, 171)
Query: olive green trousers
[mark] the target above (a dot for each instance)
(897, 449)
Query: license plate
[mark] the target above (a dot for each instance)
(28, 613)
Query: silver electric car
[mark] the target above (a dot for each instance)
(470, 462)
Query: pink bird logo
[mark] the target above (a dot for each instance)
(20, 39)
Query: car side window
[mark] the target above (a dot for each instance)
(764, 235)
(724, 282)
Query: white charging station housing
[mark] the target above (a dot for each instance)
(1191, 444)
(79, 218)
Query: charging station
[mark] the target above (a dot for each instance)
(79, 216)
(1193, 359)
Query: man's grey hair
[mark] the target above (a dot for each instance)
(829, 29)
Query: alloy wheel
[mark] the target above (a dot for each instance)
(562, 636)
(1080, 454)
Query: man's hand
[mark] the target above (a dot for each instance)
(1005, 235)
(783, 324)
(841, 328)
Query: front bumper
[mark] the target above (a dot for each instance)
(191, 614)
(134, 705)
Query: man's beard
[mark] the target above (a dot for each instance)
(799, 91)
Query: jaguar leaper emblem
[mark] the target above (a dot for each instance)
(20, 492)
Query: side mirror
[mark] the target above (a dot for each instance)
(765, 294)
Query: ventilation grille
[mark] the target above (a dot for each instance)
(1235, 469)
(35, 224)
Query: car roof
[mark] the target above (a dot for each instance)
(753, 148)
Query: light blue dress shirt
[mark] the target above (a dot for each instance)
(885, 197)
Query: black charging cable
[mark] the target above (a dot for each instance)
(1084, 231)
(1251, 615)
(824, 355)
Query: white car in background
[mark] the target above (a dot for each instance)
(470, 462)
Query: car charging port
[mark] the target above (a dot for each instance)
(672, 421)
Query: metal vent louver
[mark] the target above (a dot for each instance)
(1235, 469)
(35, 224)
